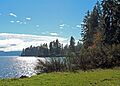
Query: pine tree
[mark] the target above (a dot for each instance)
(111, 21)
(72, 44)
(85, 29)
(90, 25)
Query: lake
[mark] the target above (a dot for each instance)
(15, 66)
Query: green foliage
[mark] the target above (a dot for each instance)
(111, 21)
(101, 42)
(100, 57)
(71, 61)
(55, 49)
(78, 47)
(52, 64)
(41, 50)
(72, 44)
(101, 36)
(112, 53)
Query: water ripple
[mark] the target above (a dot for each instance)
(14, 67)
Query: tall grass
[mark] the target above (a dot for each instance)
(52, 64)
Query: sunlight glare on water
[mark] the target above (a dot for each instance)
(13, 67)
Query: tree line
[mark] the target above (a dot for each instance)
(55, 49)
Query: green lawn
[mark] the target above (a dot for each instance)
(107, 77)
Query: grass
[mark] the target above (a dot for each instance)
(108, 77)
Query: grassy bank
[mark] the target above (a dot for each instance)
(108, 77)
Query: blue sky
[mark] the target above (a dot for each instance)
(58, 18)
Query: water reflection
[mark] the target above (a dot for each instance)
(11, 67)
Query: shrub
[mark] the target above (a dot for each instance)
(52, 64)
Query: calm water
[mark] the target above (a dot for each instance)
(14, 66)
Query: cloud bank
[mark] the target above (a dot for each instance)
(16, 42)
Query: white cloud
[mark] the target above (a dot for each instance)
(78, 26)
(12, 14)
(28, 19)
(18, 21)
(62, 25)
(12, 21)
(16, 42)
(54, 34)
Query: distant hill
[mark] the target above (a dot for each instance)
(10, 53)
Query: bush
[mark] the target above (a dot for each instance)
(105, 56)
(52, 64)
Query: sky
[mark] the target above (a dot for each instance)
(40, 21)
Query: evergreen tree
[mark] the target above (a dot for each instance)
(85, 29)
(72, 44)
(78, 47)
(111, 21)
(90, 25)
(51, 48)
(57, 47)
(66, 49)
